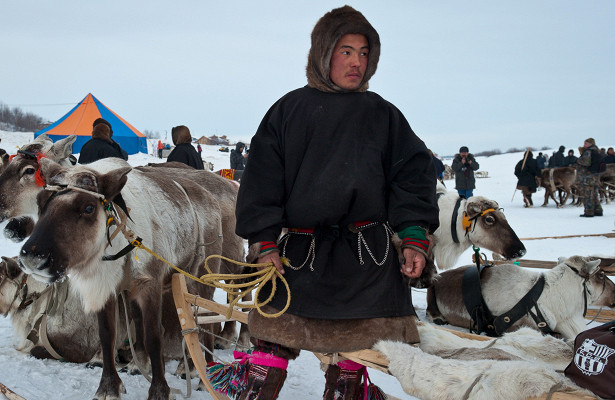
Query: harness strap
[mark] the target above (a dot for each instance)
(127, 249)
(454, 220)
(482, 318)
(524, 307)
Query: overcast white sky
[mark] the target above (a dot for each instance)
(487, 74)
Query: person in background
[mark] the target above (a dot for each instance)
(439, 167)
(101, 145)
(588, 176)
(199, 150)
(340, 169)
(464, 166)
(237, 159)
(527, 173)
(184, 151)
(557, 159)
(542, 161)
(571, 159)
(610, 156)
(160, 147)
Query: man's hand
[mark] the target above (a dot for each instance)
(273, 257)
(414, 262)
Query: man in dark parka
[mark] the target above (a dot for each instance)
(464, 164)
(340, 169)
(101, 145)
(527, 172)
(184, 151)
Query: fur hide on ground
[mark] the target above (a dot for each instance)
(523, 344)
(430, 377)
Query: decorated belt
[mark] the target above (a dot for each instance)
(354, 227)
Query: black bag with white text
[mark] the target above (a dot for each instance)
(593, 364)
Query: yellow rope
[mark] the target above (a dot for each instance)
(267, 272)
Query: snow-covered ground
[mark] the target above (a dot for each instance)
(36, 379)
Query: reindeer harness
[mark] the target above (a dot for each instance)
(468, 224)
(482, 318)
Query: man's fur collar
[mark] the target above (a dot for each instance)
(327, 32)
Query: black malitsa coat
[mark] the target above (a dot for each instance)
(323, 161)
(527, 176)
(187, 154)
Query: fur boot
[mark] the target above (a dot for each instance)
(343, 384)
(264, 383)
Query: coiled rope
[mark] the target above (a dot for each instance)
(236, 291)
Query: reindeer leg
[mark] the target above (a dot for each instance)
(110, 385)
(151, 309)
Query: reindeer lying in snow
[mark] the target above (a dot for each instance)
(569, 288)
(476, 221)
(517, 366)
(176, 218)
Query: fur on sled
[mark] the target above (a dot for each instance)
(430, 377)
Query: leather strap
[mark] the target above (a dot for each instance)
(454, 220)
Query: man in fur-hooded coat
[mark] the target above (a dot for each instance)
(101, 145)
(340, 169)
(184, 151)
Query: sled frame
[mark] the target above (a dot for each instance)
(185, 301)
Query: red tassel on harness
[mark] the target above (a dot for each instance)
(38, 177)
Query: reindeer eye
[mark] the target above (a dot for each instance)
(489, 219)
(89, 209)
(29, 171)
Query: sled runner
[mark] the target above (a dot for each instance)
(186, 301)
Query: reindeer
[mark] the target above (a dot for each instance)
(561, 179)
(476, 221)
(176, 218)
(569, 288)
(20, 182)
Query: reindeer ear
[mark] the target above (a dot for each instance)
(591, 267)
(50, 168)
(112, 183)
(12, 267)
(41, 139)
(62, 148)
(561, 260)
(473, 208)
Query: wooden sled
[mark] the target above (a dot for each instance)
(185, 301)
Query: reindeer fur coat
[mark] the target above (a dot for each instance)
(324, 159)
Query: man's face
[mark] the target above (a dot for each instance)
(586, 144)
(349, 61)
(463, 154)
(610, 151)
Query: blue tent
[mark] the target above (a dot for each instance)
(78, 121)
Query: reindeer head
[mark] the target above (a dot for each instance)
(487, 227)
(18, 181)
(599, 288)
(71, 231)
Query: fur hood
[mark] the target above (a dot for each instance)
(327, 32)
(102, 131)
(181, 135)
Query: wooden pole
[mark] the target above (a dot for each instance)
(522, 166)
